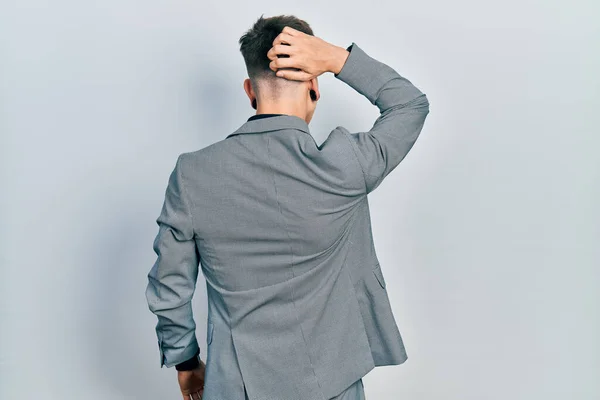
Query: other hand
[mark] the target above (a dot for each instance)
(191, 382)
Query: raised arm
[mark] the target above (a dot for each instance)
(403, 109)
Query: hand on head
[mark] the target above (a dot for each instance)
(298, 56)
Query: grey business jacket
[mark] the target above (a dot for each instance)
(297, 302)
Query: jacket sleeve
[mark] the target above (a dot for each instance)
(172, 279)
(403, 109)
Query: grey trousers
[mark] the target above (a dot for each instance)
(356, 391)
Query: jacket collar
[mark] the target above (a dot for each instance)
(274, 123)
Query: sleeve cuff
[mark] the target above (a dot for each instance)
(191, 351)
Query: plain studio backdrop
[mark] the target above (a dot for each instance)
(488, 231)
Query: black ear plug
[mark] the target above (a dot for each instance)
(254, 104)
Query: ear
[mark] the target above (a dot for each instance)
(314, 85)
(250, 92)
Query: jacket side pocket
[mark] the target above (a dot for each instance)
(209, 332)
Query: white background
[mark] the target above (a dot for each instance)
(487, 232)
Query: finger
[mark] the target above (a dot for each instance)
(290, 31)
(294, 75)
(279, 63)
(283, 38)
(278, 50)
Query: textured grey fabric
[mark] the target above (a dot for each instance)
(356, 391)
(297, 302)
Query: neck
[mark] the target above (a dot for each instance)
(281, 108)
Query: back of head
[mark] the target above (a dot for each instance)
(255, 44)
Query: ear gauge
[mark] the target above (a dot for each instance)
(254, 104)
(313, 95)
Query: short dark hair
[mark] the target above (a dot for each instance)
(258, 40)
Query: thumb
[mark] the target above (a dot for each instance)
(294, 75)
